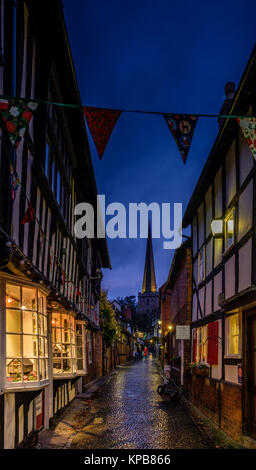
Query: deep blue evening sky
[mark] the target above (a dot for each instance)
(162, 56)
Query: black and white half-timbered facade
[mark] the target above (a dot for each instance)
(49, 281)
(222, 215)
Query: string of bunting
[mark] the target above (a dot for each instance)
(17, 113)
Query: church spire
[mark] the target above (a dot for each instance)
(149, 279)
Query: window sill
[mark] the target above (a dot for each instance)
(17, 387)
(64, 376)
(81, 373)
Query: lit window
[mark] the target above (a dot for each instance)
(201, 265)
(233, 336)
(26, 335)
(63, 343)
(80, 347)
(229, 230)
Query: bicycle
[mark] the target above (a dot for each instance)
(171, 390)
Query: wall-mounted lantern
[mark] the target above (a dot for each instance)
(217, 227)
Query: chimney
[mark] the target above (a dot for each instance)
(230, 93)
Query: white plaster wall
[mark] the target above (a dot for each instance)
(230, 174)
(245, 266)
(201, 299)
(216, 369)
(245, 211)
(208, 299)
(231, 374)
(217, 251)
(218, 193)
(230, 277)
(217, 289)
(9, 417)
(30, 417)
(208, 254)
(246, 158)
(194, 308)
(201, 224)
(208, 211)
(21, 423)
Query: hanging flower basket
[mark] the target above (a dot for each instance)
(200, 369)
(201, 372)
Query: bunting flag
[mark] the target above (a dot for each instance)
(248, 126)
(101, 123)
(182, 127)
(78, 292)
(17, 113)
(29, 215)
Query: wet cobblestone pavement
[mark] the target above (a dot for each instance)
(127, 413)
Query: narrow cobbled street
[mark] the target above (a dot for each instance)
(127, 413)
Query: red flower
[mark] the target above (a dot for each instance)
(10, 127)
(27, 115)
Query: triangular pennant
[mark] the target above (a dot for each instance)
(17, 113)
(248, 126)
(101, 123)
(29, 215)
(78, 292)
(182, 127)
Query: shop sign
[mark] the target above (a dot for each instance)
(182, 332)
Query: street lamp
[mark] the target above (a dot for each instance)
(217, 226)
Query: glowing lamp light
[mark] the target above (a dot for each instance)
(159, 322)
(170, 327)
(230, 226)
(217, 227)
(23, 307)
(160, 331)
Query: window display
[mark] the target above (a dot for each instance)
(63, 343)
(26, 335)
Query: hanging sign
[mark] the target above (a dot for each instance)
(182, 332)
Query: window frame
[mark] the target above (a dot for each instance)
(84, 358)
(72, 345)
(228, 354)
(231, 215)
(41, 335)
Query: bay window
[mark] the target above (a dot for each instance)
(80, 347)
(63, 343)
(26, 334)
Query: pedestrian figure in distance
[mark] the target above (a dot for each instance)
(145, 352)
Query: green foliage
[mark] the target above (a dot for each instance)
(110, 327)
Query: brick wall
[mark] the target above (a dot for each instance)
(205, 394)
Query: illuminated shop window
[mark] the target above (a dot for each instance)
(233, 335)
(63, 343)
(26, 335)
(80, 347)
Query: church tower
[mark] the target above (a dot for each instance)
(148, 297)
